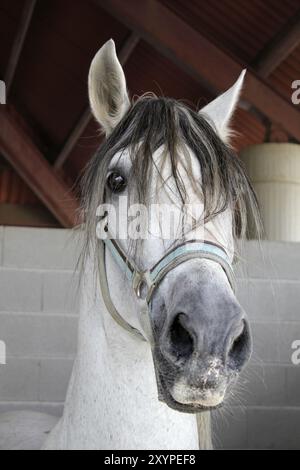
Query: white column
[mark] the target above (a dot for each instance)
(274, 169)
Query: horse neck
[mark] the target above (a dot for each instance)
(101, 336)
(113, 388)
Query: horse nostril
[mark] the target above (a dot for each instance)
(240, 349)
(182, 344)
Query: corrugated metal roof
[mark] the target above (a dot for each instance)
(242, 27)
(13, 190)
(248, 130)
(10, 14)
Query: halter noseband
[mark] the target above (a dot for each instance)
(149, 280)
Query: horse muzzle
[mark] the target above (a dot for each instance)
(202, 339)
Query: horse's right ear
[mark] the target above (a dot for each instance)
(107, 88)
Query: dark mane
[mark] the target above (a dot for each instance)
(152, 122)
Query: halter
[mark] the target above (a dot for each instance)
(144, 283)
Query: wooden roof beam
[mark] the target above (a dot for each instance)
(19, 43)
(123, 55)
(171, 36)
(20, 151)
(279, 48)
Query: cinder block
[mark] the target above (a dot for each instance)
(54, 379)
(40, 248)
(288, 298)
(293, 385)
(265, 342)
(60, 292)
(288, 333)
(274, 428)
(20, 291)
(1, 244)
(260, 386)
(19, 380)
(229, 428)
(275, 301)
(269, 260)
(54, 409)
(265, 293)
(39, 335)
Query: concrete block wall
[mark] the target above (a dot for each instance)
(264, 412)
(38, 322)
(38, 317)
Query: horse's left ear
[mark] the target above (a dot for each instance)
(220, 110)
(107, 88)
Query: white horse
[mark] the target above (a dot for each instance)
(163, 343)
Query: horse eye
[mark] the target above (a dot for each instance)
(116, 182)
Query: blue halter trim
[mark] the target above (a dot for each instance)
(189, 250)
(190, 247)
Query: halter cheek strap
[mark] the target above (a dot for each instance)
(144, 283)
(106, 295)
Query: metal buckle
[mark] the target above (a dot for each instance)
(102, 226)
(140, 285)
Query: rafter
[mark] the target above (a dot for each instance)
(19, 43)
(123, 55)
(26, 159)
(76, 133)
(177, 40)
(279, 48)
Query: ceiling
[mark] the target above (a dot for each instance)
(46, 47)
